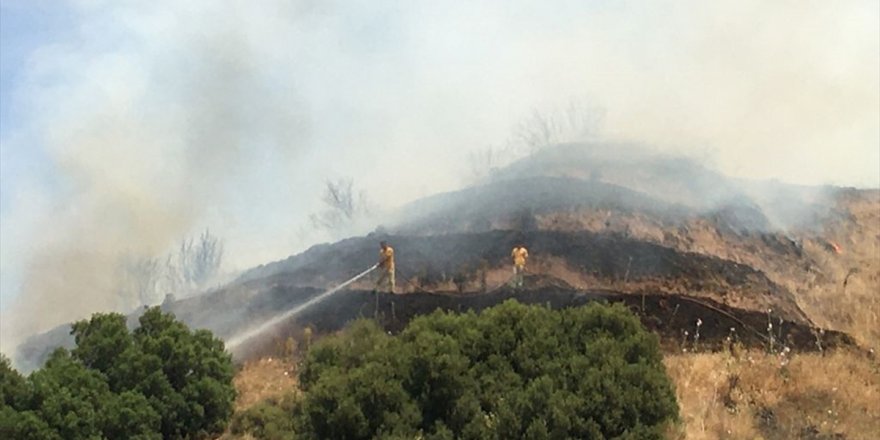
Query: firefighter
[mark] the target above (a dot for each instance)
(519, 255)
(386, 268)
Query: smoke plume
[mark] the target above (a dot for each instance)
(150, 121)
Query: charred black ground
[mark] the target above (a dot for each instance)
(673, 317)
(610, 267)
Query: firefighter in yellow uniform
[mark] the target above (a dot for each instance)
(386, 267)
(519, 255)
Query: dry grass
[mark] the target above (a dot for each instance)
(838, 290)
(264, 379)
(753, 395)
(261, 380)
(845, 294)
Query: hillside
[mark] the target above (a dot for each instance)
(730, 274)
(607, 219)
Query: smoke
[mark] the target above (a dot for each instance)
(149, 121)
(145, 132)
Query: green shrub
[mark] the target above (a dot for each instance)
(266, 420)
(159, 381)
(513, 371)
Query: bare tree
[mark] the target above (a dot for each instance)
(198, 261)
(343, 205)
(575, 122)
(484, 161)
(537, 131)
(172, 279)
(146, 280)
(139, 280)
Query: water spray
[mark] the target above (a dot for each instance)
(250, 333)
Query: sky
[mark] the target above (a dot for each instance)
(127, 125)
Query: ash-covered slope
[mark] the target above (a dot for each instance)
(478, 262)
(659, 229)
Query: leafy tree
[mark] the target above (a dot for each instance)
(513, 371)
(101, 341)
(69, 397)
(266, 420)
(24, 425)
(14, 391)
(16, 420)
(186, 376)
(159, 381)
(130, 415)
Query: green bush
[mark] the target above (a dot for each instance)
(511, 372)
(268, 420)
(159, 381)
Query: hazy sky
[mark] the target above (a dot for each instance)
(125, 125)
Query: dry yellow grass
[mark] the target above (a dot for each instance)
(753, 395)
(260, 380)
(845, 295)
(263, 379)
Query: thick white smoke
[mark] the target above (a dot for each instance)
(156, 119)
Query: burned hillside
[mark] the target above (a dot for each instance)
(478, 262)
(675, 241)
(673, 317)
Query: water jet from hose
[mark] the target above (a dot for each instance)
(237, 340)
